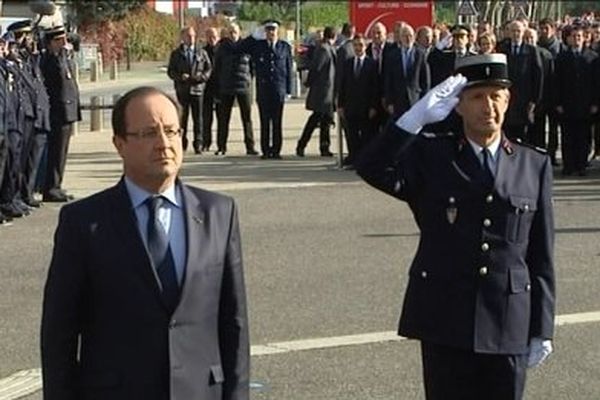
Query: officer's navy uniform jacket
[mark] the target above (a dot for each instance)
(482, 278)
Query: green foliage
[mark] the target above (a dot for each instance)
(312, 13)
(445, 12)
(88, 11)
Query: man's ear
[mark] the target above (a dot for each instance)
(458, 107)
(118, 142)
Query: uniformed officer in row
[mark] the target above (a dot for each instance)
(57, 68)
(481, 290)
(272, 59)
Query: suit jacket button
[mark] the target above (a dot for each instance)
(485, 247)
(483, 271)
(487, 222)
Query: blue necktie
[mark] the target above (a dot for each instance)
(486, 173)
(161, 255)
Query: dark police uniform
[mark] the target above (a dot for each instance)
(3, 136)
(273, 66)
(63, 92)
(482, 282)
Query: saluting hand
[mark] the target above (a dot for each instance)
(434, 106)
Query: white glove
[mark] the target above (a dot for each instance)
(539, 350)
(434, 106)
(259, 33)
(444, 43)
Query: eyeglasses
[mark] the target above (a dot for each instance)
(150, 134)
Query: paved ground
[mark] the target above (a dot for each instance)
(325, 256)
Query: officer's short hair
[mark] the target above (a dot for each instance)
(119, 124)
(329, 32)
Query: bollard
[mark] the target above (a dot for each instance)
(96, 114)
(114, 70)
(76, 73)
(75, 128)
(94, 72)
(100, 64)
(297, 82)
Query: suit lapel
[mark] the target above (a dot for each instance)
(466, 162)
(196, 235)
(125, 224)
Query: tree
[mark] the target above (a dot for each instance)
(95, 11)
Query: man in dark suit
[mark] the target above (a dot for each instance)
(190, 69)
(145, 293)
(320, 98)
(358, 98)
(526, 72)
(480, 296)
(209, 100)
(576, 101)
(272, 59)
(549, 41)
(57, 68)
(443, 57)
(379, 50)
(406, 77)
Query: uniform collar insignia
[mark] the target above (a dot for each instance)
(507, 146)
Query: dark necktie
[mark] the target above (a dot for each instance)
(515, 50)
(190, 56)
(160, 252)
(486, 172)
(357, 67)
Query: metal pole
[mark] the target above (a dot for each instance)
(181, 15)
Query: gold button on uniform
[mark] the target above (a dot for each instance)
(483, 271)
(485, 247)
(489, 198)
(487, 222)
(423, 274)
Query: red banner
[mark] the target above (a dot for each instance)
(364, 14)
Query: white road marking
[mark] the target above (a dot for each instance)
(27, 382)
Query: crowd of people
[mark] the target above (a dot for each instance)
(369, 78)
(39, 101)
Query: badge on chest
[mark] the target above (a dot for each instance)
(451, 211)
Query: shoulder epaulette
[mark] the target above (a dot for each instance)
(529, 145)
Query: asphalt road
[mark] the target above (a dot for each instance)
(327, 256)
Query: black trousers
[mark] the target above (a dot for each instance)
(58, 147)
(323, 121)
(194, 103)
(3, 159)
(270, 110)
(12, 169)
(457, 374)
(576, 140)
(224, 117)
(359, 130)
(33, 150)
(209, 108)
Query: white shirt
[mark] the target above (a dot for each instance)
(493, 153)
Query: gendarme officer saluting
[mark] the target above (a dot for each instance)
(480, 296)
(272, 58)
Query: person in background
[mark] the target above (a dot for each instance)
(486, 43)
(358, 99)
(210, 105)
(190, 69)
(321, 95)
(233, 72)
(576, 101)
(272, 58)
(58, 71)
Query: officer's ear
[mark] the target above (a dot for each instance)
(118, 142)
